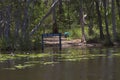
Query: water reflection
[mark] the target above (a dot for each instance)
(99, 68)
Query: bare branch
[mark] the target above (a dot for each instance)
(44, 17)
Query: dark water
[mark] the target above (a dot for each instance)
(99, 68)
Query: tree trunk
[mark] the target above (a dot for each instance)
(17, 22)
(25, 37)
(109, 42)
(82, 25)
(7, 27)
(60, 7)
(114, 20)
(55, 27)
(1, 24)
(99, 20)
(60, 14)
(91, 13)
(118, 5)
(90, 26)
(68, 15)
(25, 19)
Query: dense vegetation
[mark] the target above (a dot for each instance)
(23, 21)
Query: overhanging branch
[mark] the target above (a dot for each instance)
(44, 17)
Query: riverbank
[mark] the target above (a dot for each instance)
(66, 43)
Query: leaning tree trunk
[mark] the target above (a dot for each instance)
(44, 17)
(114, 21)
(99, 20)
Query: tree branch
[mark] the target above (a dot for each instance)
(44, 17)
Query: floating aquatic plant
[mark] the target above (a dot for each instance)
(19, 66)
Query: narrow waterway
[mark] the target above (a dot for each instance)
(98, 68)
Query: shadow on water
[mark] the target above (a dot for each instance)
(69, 64)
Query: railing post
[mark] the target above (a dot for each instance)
(47, 35)
(60, 43)
(42, 44)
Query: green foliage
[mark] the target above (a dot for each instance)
(36, 42)
(75, 33)
(3, 43)
(25, 15)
